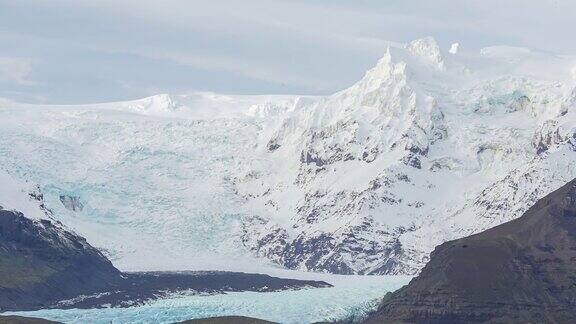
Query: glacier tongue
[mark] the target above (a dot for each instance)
(426, 147)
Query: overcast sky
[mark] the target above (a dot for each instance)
(81, 51)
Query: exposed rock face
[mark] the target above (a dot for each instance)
(24, 320)
(72, 203)
(522, 271)
(227, 320)
(40, 263)
(139, 287)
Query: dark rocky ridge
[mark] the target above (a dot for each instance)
(40, 264)
(24, 320)
(44, 266)
(227, 320)
(520, 271)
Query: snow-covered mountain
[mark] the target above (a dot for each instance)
(425, 148)
(428, 146)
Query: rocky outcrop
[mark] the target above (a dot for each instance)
(72, 203)
(40, 264)
(550, 134)
(227, 320)
(24, 320)
(521, 272)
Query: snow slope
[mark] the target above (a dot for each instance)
(428, 146)
(20, 196)
(153, 185)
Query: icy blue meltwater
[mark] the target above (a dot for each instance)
(351, 297)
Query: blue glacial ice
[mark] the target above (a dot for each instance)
(351, 297)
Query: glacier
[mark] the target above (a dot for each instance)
(430, 145)
(350, 298)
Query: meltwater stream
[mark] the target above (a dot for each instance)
(351, 297)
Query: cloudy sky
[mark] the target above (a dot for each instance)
(80, 51)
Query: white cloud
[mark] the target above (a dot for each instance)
(15, 70)
(245, 67)
(249, 46)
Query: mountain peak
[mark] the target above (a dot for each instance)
(427, 49)
(386, 69)
(454, 48)
(161, 101)
(157, 104)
